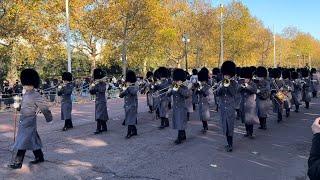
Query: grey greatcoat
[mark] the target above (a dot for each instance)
(248, 111)
(66, 102)
(27, 136)
(238, 94)
(179, 110)
(263, 97)
(306, 90)
(288, 87)
(296, 93)
(204, 107)
(162, 88)
(101, 111)
(195, 98)
(227, 105)
(130, 96)
(189, 100)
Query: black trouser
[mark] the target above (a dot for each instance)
(38, 154)
(249, 129)
(194, 106)
(314, 94)
(307, 105)
(229, 138)
(205, 125)
(101, 125)
(263, 122)
(68, 123)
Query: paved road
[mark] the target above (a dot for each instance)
(280, 153)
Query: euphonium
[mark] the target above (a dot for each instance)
(226, 82)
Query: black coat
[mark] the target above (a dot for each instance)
(314, 159)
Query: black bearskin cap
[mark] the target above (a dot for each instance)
(149, 74)
(313, 71)
(131, 76)
(67, 76)
(261, 71)
(305, 72)
(156, 75)
(246, 72)
(203, 75)
(276, 73)
(286, 74)
(215, 71)
(163, 72)
(194, 71)
(179, 75)
(30, 77)
(98, 73)
(228, 68)
(294, 75)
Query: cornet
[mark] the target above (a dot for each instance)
(226, 82)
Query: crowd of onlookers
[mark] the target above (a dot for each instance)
(49, 88)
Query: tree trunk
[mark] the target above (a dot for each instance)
(124, 59)
(93, 60)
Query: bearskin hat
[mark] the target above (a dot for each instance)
(149, 74)
(163, 72)
(179, 75)
(194, 71)
(98, 73)
(286, 74)
(294, 75)
(215, 71)
(246, 72)
(67, 76)
(261, 72)
(156, 75)
(313, 70)
(276, 73)
(253, 69)
(305, 72)
(30, 77)
(131, 76)
(228, 68)
(238, 71)
(203, 75)
(205, 69)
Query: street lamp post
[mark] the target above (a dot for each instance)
(221, 36)
(298, 60)
(68, 36)
(186, 40)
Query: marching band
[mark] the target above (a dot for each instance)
(234, 92)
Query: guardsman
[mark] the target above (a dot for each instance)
(314, 82)
(130, 95)
(216, 77)
(203, 92)
(194, 81)
(263, 96)
(189, 100)
(28, 137)
(296, 93)
(248, 111)
(288, 87)
(161, 88)
(99, 88)
(149, 86)
(306, 87)
(180, 93)
(65, 91)
(277, 95)
(226, 93)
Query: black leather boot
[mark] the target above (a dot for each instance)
(134, 131)
(98, 130)
(129, 133)
(166, 122)
(179, 139)
(162, 126)
(297, 108)
(38, 154)
(17, 164)
(184, 137)
(307, 105)
(287, 112)
(247, 130)
(205, 126)
(104, 127)
(229, 147)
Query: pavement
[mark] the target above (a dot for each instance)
(280, 153)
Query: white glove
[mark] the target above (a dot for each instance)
(107, 86)
(246, 84)
(175, 89)
(258, 91)
(124, 88)
(93, 85)
(59, 87)
(16, 105)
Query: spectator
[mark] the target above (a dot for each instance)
(314, 158)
